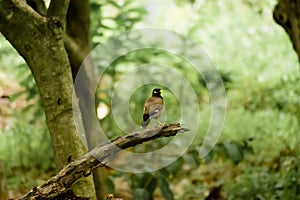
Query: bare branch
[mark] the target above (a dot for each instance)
(60, 184)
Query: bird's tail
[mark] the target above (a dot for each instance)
(146, 120)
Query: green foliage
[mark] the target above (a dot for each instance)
(110, 17)
(262, 84)
(256, 156)
(235, 151)
(26, 152)
(25, 145)
(29, 90)
(14, 66)
(143, 185)
(266, 182)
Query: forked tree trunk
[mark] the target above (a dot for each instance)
(39, 40)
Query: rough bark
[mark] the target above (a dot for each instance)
(39, 40)
(287, 14)
(59, 185)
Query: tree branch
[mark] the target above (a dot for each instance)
(38, 6)
(77, 40)
(13, 13)
(287, 14)
(75, 53)
(60, 184)
(78, 30)
(58, 9)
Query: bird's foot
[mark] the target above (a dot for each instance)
(159, 122)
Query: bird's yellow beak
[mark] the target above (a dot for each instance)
(161, 90)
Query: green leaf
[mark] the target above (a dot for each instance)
(150, 183)
(16, 95)
(110, 185)
(165, 187)
(127, 3)
(192, 158)
(95, 6)
(144, 181)
(114, 3)
(22, 69)
(175, 166)
(39, 111)
(140, 193)
(209, 157)
(141, 11)
(234, 151)
(28, 107)
(31, 93)
(103, 26)
(27, 82)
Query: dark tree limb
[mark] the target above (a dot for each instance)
(74, 51)
(287, 14)
(60, 184)
(78, 30)
(58, 9)
(38, 6)
(77, 41)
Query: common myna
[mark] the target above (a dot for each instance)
(153, 107)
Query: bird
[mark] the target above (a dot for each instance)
(153, 107)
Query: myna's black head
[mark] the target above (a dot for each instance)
(157, 92)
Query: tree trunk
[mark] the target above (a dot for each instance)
(287, 14)
(39, 40)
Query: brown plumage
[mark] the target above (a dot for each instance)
(153, 107)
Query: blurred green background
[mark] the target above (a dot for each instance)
(257, 155)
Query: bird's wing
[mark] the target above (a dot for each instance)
(154, 109)
(155, 106)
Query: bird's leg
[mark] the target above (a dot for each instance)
(159, 122)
